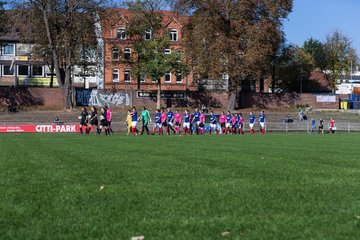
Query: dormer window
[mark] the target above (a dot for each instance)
(121, 34)
(174, 35)
(148, 35)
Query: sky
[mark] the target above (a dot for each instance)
(319, 18)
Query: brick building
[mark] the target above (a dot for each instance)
(117, 47)
(18, 67)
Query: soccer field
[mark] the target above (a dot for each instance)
(277, 186)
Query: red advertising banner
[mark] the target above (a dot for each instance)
(39, 128)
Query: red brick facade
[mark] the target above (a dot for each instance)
(52, 98)
(117, 67)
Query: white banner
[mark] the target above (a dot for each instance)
(326, 98)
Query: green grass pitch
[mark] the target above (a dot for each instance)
(277, 186)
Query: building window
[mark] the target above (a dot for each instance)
(148, 35)
(115, 75)
(167, 51)
(178, 77)
(174, 35)
(127, 54)
(127, 77)
(262, 85)
(142, 78)
(23, 70)
(179, 55)
(121, 34)
(37, 70)
(8, 49)
(115, 54)
(225, 76)
(23, 49)
(168, 77)
(7, 70)
(48, 72)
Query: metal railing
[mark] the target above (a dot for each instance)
(341, 126)
(307, 127)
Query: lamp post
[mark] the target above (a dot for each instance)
(301, 79)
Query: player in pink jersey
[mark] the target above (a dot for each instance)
(163, 121)
(222, 120)
(241, 124)
(177, 121)
(202, 122)
(109, 118)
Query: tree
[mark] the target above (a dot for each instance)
(341, 56)
(239, 38)
(61, 28)
(294, 73)
(150, 60)
(2, 18)
(317, 51)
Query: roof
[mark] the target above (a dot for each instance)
(321, 80)
(125, 14)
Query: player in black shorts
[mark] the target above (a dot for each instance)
(321, 126)
(103, 121)
(163, 119)
(93, 121)
(83, 119)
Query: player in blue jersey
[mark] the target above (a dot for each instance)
(262, 122)
(213, 123)
(158, 124)
(196, 119)
(252, 119)
(228, 125)
(187, 121)
(134, 120)
(170, 122)
(236, 123)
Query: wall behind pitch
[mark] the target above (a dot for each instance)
(31, 97)
(287, 100)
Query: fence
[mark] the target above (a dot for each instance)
(289, 127)
(306, 127)
(118, 126)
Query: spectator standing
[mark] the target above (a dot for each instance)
(332, 127)
(301, 115)
(321, 126)
(313, 125)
